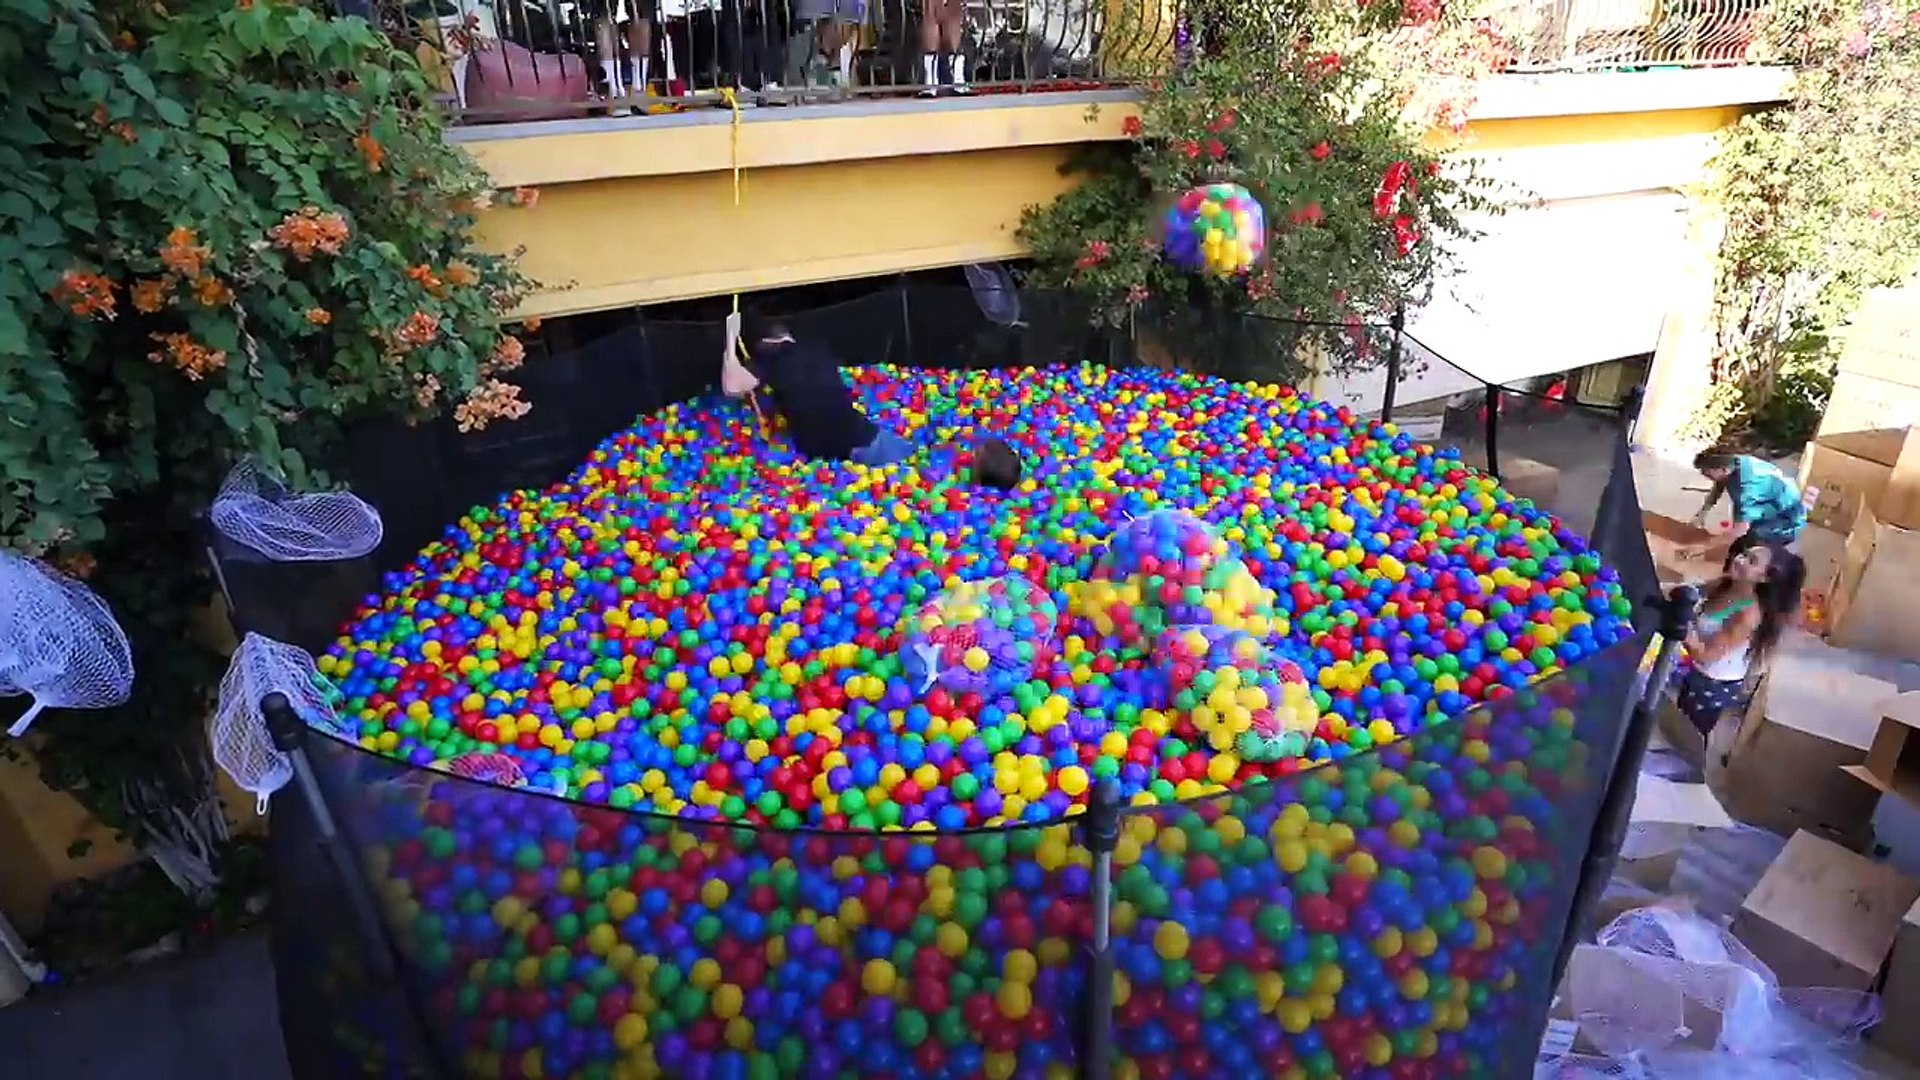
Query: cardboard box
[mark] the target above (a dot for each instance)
(1893, 760)
(1900, 997)
(1823, 916)
(1841, 471)
(1807, 720)
(1670, 540)
(1874, 601)
(1865, 403)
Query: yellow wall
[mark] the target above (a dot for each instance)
(644, 212)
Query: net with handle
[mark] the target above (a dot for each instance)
(59, 642)
(242, 745)
(257, 511)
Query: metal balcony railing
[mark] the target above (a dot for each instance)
(1587, 35)
(500, 60)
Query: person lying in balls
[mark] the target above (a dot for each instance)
(807, 388)
(996, 464)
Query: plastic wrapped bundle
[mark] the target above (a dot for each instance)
(500, 770)
(1237, 693)
(242, 745)
(59, 643)
(1169, 569)
(254, 510)
(1219, 230)
(979, 637)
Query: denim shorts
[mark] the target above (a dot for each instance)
(885, 449)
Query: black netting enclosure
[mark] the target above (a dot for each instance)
(1226, 775)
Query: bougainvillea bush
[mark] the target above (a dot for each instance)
(226, 228)
(1821, 201)
(1297, 107)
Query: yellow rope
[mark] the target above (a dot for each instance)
(733, 151)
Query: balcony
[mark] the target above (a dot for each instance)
(505, 61)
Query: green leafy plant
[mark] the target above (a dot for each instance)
(226, 228)
(1820, 200)
(1294, 106)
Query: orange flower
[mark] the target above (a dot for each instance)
(212, 292)
(318, 316)
(531, 325)
(308, 230)
(524, 197)
(491, 400)
(150, 295)
(459, 273)
(426, 278)
(370, 149)
(126, 41)
(189, 357)
(507, 355)
(183, 254)
(124, 131)
(100, 116)
(419, 329)
(84, 293)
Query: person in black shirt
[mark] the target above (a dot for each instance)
(806, 385)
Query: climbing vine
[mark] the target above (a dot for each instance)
(1321, 112)
(1820, 200)
(225, 228)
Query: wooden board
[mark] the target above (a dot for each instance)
(1823, 916)
(1864, 403)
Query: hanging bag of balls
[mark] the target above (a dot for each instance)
(979, 637)
(1216, 230)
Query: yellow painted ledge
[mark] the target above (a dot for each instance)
(572, 151)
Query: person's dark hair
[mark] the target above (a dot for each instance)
(1713, 459)
(1778, 594)
(758, 326)
(996, 465)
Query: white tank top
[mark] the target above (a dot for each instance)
(1733, 666)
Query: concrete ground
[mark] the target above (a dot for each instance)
(205, 1016)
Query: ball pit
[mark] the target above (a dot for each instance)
(700, 625)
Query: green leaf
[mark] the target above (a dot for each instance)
(171, 112)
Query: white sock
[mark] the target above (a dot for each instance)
(610, 70)
(931, 61)
(956, 70)
(846, 64)
(639, 85)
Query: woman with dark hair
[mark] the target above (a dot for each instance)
(1741, 619)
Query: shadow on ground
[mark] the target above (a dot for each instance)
(210, 1016)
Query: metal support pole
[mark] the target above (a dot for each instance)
(1493, 431)
(1394, 353)
(1677, 613)
(1102, 824)
(289, 735)
(906, 323)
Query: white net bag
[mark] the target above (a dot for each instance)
(1661, 980)
(257, 511)
(59, 642)
(242, 745)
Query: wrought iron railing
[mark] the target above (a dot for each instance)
(1587, 35)
(500, 60)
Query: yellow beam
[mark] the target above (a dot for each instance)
(769, 138)
(641, 211)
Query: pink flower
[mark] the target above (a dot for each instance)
(1131, 127)
(1320, 150)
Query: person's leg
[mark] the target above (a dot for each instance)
(932, 12)
(640, 47)
(886, 448)
(952, 29)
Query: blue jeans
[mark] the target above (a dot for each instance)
(885, 449)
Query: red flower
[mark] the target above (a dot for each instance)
(1216, 149)
(1131, 127)
(1405, 235)
(1222, 122)
(1191, 149)
(1325, 65)
(1308, 215)
(1320, 150)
